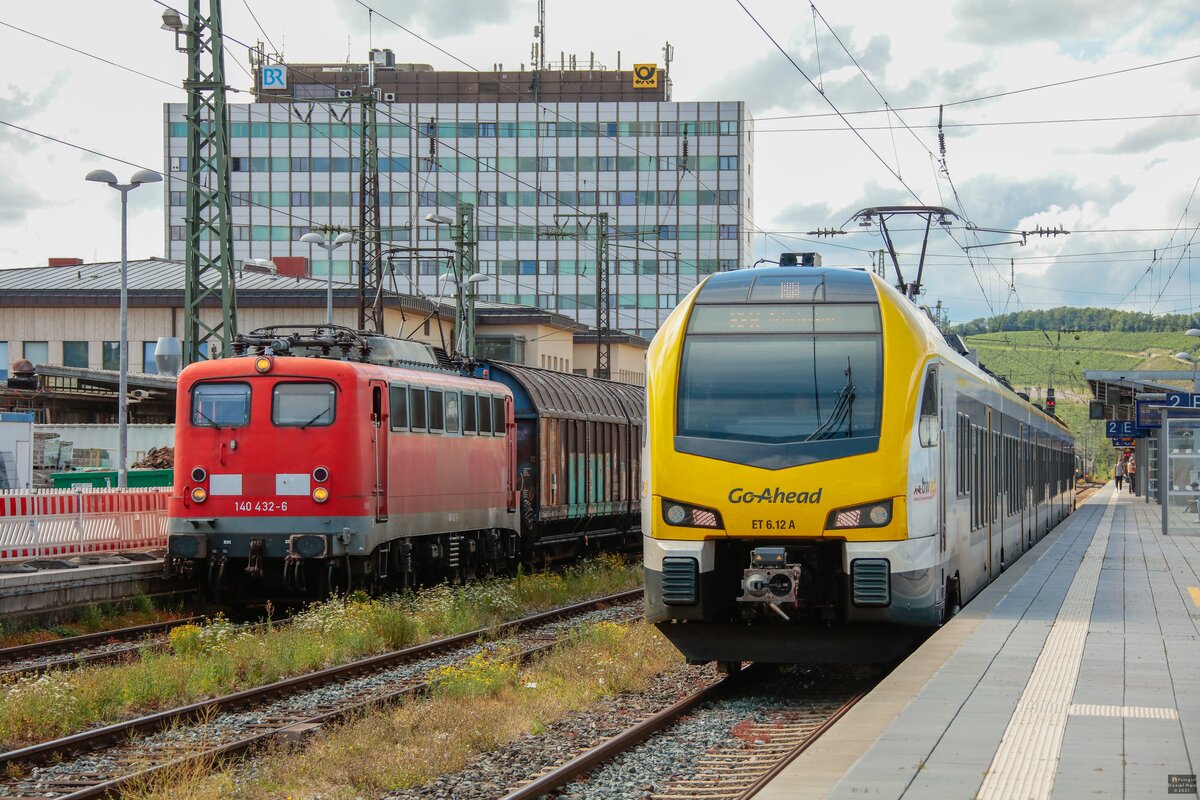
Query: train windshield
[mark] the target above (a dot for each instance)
(220, 405)
(303, 405)
(774, 385)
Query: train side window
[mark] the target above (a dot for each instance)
(469, 425)
(437, 411)
(498, 415)
(927, 425)
(220, 405)
(416, 409)
(485, 414)
(452, 412)
(398, 400)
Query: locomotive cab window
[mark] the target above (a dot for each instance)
(220, 405)
(303, 405)
(817, 373)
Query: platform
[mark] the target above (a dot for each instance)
(1075, 674)
(49, 590)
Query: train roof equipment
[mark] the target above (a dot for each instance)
(337, 342)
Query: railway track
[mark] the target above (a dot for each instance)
(90, 648)
(765, 730)
(100, 762)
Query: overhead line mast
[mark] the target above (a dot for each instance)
(209, 231)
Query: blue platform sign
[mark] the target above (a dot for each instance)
(1149, 414)
(1120, 428)
(274, 76)
(1181, 400)
(1123, 442)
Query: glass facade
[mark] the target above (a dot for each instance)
(674, 178)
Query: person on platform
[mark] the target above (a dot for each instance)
(1119, 472)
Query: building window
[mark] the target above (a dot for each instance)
(428, 266)
(607, 163)
(299, 164)
(241, 233)
(179, 198)
(487, 129)
(547, 129)
(728, 264)
(75, 354)
(727, 197)
(297, 232)
(300, 199)
(237, 164)
(509, 348)
(728, 232)
(37, 352)
(179, 164)
(149, 366)
(110, 355)
(727, 162)
(627, 198)
(427, 199)
(547, 163)
(178, 233)
(486, 233)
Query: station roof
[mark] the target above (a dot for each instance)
(1118, 389)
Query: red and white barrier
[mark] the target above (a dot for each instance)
(65, 522)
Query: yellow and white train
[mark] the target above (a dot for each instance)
(823, 471)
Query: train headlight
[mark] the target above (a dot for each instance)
(199, 474)
(262, 364)
(682, 515)
(868, 515)
(199, 495)
(320, 494)
(320, 474)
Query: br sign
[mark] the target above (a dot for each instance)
(274, 76)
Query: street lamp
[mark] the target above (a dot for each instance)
(139, 177)
(329, 247)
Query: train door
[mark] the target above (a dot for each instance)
(379, 443)
(994, 556)
(510, 445)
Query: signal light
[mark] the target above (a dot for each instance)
(262, 364)
(199, 495)
(320, 494)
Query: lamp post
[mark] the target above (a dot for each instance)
(138, 178)
(329, 246)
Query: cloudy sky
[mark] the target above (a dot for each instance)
(1079, 114)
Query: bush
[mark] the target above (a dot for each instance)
(486, 672)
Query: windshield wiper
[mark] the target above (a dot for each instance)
(842, 413)
(320, 414)
(211, 421)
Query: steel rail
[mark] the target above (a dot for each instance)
(64, 647)
(13, 761)
(631, 737)
(770, 775)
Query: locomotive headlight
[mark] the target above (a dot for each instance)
(262, 364)
(868, 515)
(199, 474)
(684, 515)
(199, 495)
(320, 474)
(320, 494)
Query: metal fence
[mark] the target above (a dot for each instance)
(64, 522)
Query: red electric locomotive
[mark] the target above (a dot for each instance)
(334, 460)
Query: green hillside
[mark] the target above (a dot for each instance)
(1033, 360)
